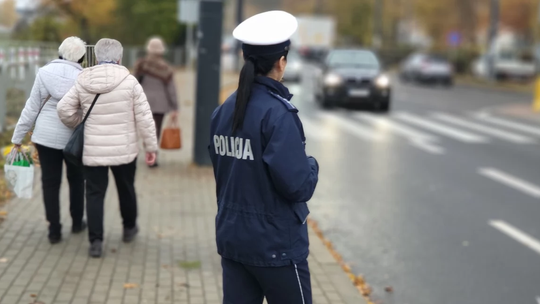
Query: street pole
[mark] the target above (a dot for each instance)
(377, 24)
(536, 45)
(238, 46)
(208, 75)
(319, 7)
(492, 36)
(189, 45)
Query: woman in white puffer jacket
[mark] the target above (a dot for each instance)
(120, 115)
(50, 136)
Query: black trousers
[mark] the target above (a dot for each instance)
(244, 284)
(158, 120)
(52, 161)
(97, 181)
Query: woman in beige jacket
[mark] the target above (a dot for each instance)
(121, 114)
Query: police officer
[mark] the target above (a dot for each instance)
(263, 176)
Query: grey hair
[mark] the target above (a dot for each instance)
(108, 50)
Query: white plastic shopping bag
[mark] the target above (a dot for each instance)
(19, 174)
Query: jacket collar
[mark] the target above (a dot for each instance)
(274, 86)
(71, 63)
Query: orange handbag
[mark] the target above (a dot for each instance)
(171, 139)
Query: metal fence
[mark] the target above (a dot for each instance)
(89, 57)
(21, 60)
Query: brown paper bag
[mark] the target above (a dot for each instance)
(171, 139)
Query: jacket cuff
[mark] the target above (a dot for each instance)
(314, 162)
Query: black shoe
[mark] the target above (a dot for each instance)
(129, 234)
(96, 249)
(55, 238)
(155, 165)
(79, 228)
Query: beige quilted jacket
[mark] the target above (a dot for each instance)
(120, 116)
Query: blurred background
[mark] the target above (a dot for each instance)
(434, 196)
(459, 30)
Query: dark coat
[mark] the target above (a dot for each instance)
(263, 179)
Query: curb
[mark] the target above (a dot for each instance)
(469, 84)
(357, 280)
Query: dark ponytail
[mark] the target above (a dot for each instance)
(253, 66)
(247, 76)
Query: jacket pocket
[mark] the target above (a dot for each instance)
(302, 211)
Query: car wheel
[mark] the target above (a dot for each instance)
(449, 82)
(326, 104)
(383, 106)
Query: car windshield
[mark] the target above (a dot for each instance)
(293, 56)
(353, 58)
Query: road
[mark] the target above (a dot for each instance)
(439, 199)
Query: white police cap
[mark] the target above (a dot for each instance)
(268, 28)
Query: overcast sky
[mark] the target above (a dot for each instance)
(25, 4)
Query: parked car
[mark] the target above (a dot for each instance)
(313, 54)
(293, 71)
(353, 76)
(506, 65)
(427, 68)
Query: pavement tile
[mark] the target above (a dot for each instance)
(176, 217)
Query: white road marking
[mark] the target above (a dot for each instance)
(517, 235)
(511, 181)
(427, 146)
(312, 131)
(442, 129)
(353, 128)
(538, 300)
(509, 124)
(417, 138)
(396, 127)
(516, 138)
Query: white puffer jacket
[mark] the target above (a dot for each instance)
(121, 114)
(55, 79)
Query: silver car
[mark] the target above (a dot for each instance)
(293, 71)
(426, 68)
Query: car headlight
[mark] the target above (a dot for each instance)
(296, 66)
(332, 80)
(382, 81)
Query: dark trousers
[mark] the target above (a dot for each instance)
(244, 284)
(97, 181)
(158, 119)
(51, 161)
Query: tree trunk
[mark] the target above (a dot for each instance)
(85, 30)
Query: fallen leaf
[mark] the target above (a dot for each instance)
(130, 285)
(3, 213)
(366, 290)
(113, 250)
(189, 264)
(389, 289)
(33, 295)
(186, 285)
(3, 260)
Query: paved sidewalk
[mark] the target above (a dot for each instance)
(173, 260)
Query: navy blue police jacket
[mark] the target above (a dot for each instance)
(263, 179)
